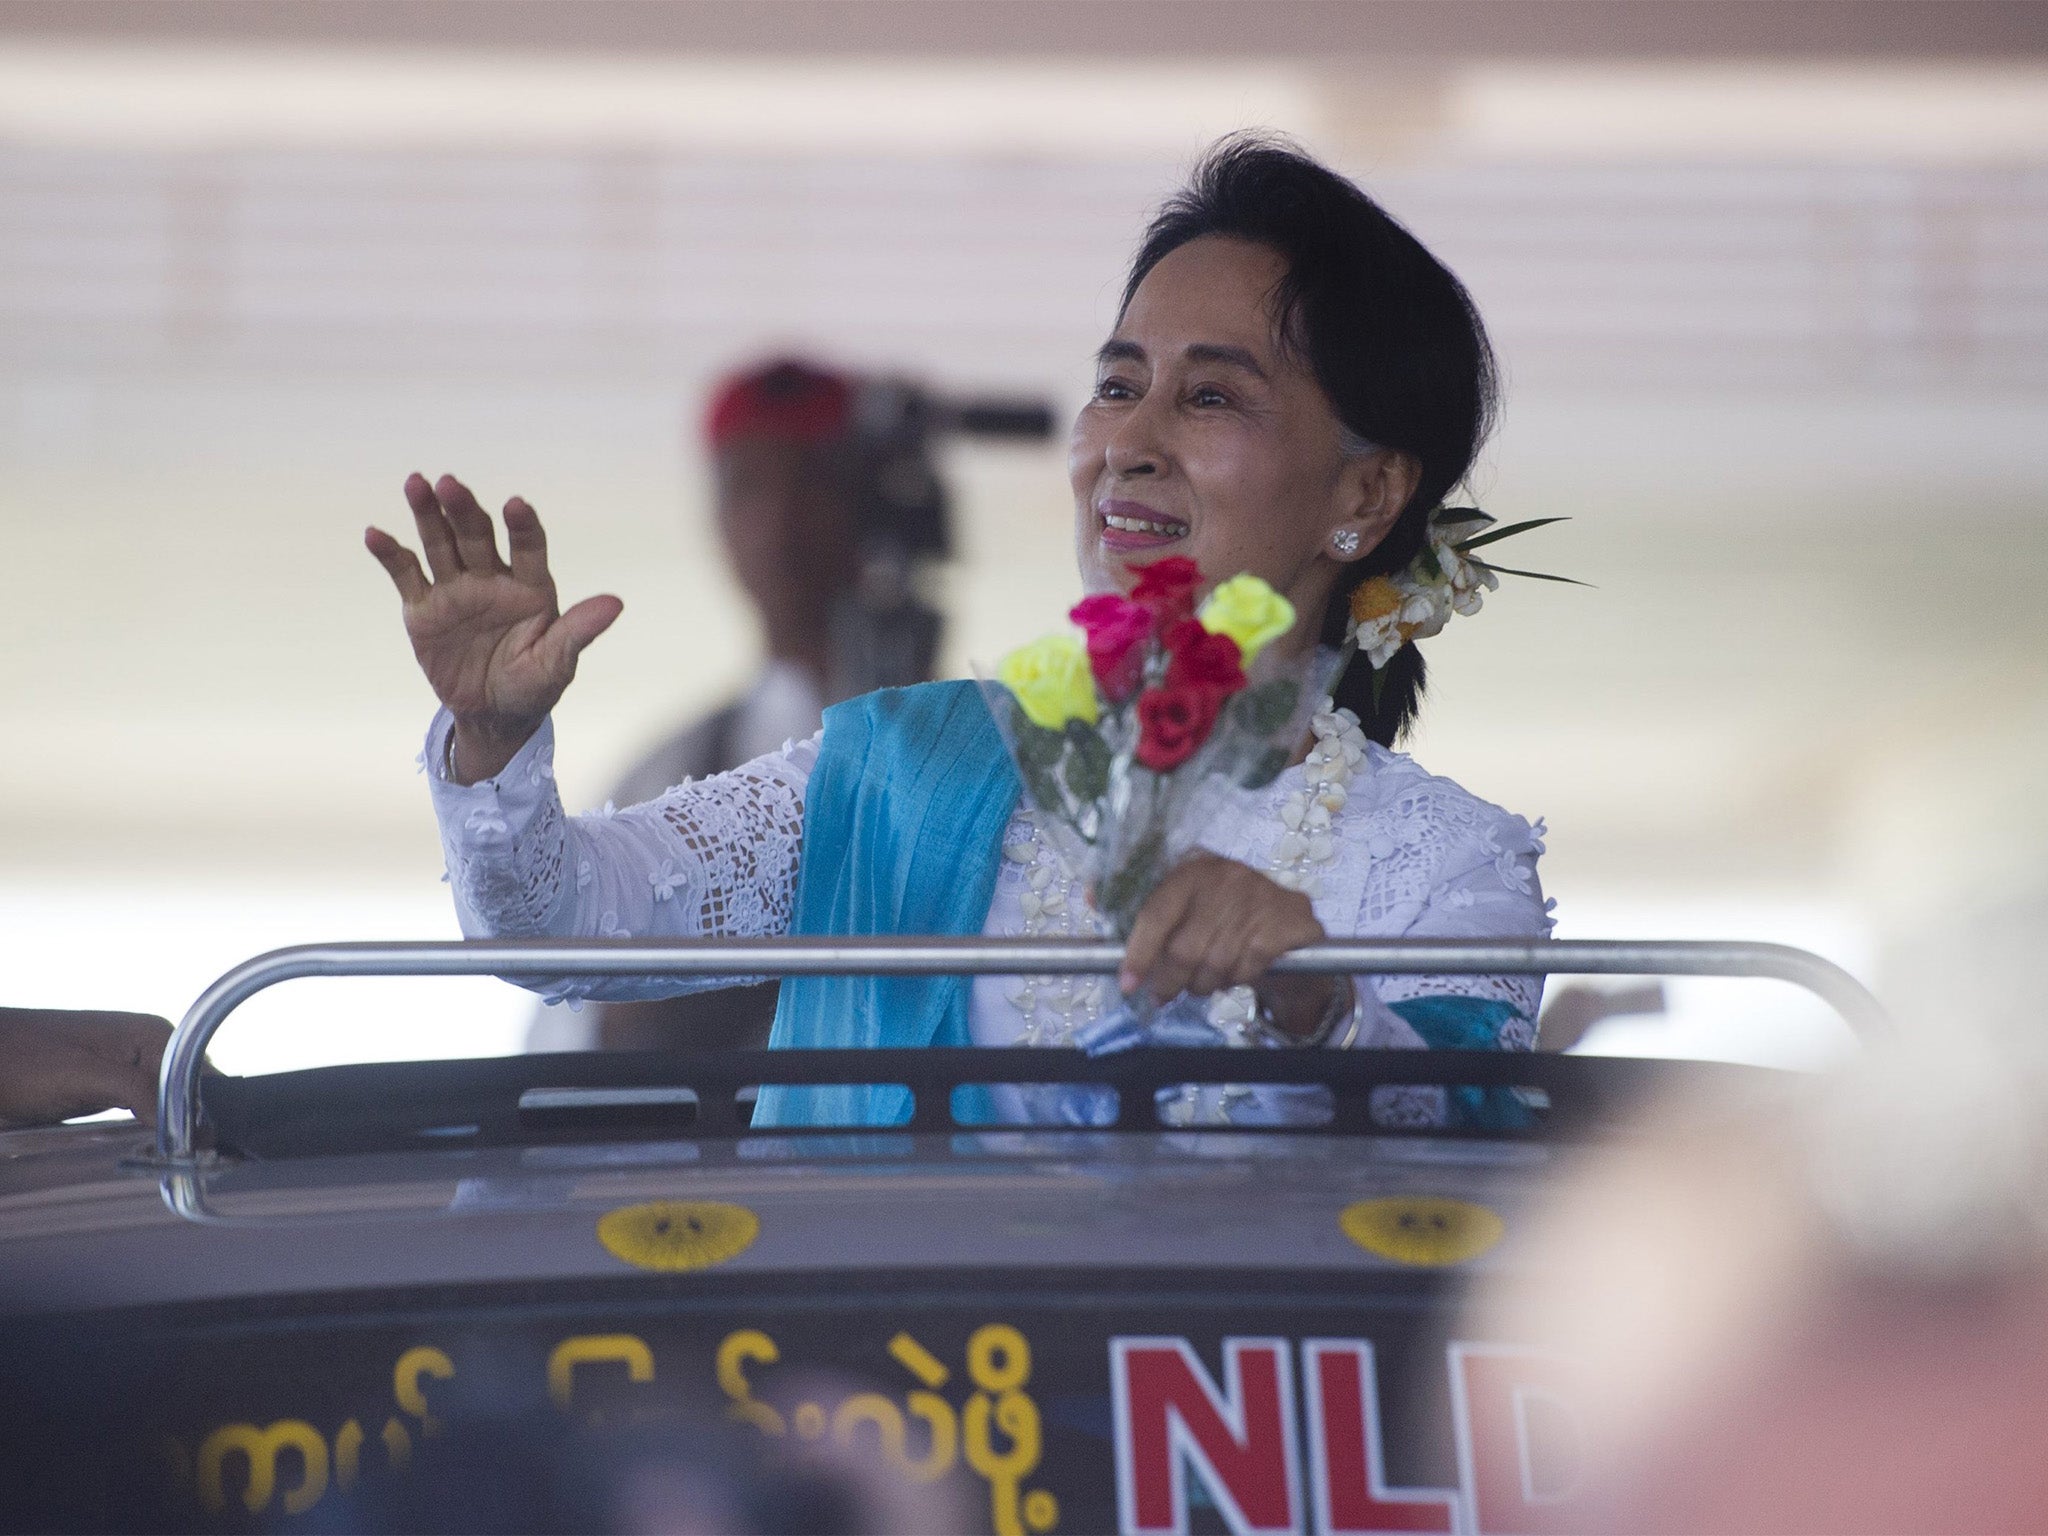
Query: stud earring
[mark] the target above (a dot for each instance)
(1345, 541)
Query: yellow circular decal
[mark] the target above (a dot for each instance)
(1419, 1229)
(678, 1234)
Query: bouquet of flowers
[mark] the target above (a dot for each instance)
(1126, 733)
(1129, 732)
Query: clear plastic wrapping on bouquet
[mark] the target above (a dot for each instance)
(1120, 825)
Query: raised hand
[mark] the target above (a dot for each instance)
(490, 636)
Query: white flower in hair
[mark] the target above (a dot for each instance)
(1443, 579)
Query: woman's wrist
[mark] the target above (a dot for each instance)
(479, 750)
(1308, 1010)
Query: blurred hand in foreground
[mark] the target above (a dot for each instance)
(59, 1063)
(490, 636)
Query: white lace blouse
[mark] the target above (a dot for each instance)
(1414, 855)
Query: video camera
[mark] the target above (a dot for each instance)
(886, 634)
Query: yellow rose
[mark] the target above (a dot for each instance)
(1248, 611)
(1051, 681)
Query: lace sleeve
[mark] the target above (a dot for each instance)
(715, 857)
(1484, 885)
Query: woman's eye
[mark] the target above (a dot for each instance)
(1114, 389)
(1205, 394)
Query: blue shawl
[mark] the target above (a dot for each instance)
(903, 826)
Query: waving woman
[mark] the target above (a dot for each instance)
(1293, 385)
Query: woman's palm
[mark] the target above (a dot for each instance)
(488, 634)
(477, 636)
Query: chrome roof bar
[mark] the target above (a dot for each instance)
(178, 1109)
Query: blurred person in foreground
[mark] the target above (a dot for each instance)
(1818, 1305)
(1292, 388)
(782, 440)
(687, 1472)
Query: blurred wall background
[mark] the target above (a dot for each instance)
(1770, 282)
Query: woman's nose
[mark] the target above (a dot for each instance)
(1137, 446)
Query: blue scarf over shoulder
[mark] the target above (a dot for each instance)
(903, 825)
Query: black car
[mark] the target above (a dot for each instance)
(508, 1293)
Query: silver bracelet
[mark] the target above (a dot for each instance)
(1352, 1019)
(1343, 1010)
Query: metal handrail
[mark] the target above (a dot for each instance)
(178, 1085)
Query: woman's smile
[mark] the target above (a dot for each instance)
(1131, 525)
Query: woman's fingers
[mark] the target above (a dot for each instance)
(1169, 944)
(475, 539)
(458, 536)
(1211, 924)
(400, 564)
(1219, 959)
(569, 634)
(1241, 936)
(1155, 925)
(1288, 923)
(1179, 958)
(436, 537)
(1239, 956)
(527, 543)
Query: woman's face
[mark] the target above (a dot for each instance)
(1205, 438)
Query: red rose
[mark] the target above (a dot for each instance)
(1116, 628)
(1167, 588)
(1202, 660)
(1172, 723)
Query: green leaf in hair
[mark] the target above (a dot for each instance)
(1495, 535)
(1508, 570)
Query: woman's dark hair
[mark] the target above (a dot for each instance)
(1388, 332)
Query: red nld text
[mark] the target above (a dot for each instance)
(1516, 1431)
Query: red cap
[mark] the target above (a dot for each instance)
(784, 399)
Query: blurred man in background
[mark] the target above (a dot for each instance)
(780, 442)
(827, 504)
